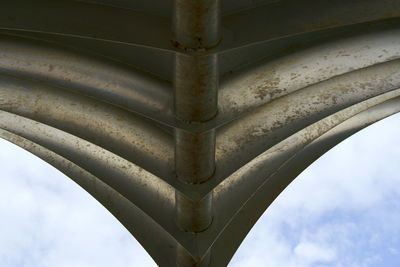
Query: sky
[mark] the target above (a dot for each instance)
(342, 211)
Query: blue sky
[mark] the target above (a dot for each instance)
(343, 211)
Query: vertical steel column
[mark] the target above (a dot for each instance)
(196, 30)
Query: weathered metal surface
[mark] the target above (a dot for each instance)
(97, 78)
(196, 27)
(248, 136)
(291, 17)
(270, 79)
(133, 218)
(186, 119)
(104, 125)
(89, 21)
(275, 181)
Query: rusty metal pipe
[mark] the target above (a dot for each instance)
(196, 84)
(196, 29)
(196, 24)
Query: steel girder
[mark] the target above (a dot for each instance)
(186, 119)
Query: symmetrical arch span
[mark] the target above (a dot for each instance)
(186, 120)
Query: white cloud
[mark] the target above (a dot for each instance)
(313, 253)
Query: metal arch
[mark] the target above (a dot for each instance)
(100, 19)
(82, 20)
(135, 220)
(266, 80)
(104, 80)
(105, 125)
(119, 185)
(248, 136)
(248, 178)
(290, 17)
(187, 118)
(120, 174)
(236, 190)
(238, 227)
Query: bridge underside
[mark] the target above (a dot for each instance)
(186, 119)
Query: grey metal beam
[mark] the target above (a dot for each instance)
(245, 180)
(247, 137)
(267, 80)
(338, 85)
(125, 99)
(102, 79)
(124, 86)
(90, 21)
(140, 188)
(292, 17)
(122, 133)
(160, 246)
(241, 28)
(274, 184)
(143, 189)
(196, 27)
(236, 60)
(235, 190)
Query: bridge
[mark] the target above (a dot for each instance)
(186, 119)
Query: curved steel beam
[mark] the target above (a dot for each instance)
(239, 225)
(308, 96)
(108, 23)
(108, 121)
(290, 18)
(254, 86)
(138, 223)
(104, 80)
(109, 127)
(233, 61)
(90, 21)
(146, 191)
(244, 139)
(235, 190)
(267, 80)
(272, 159)
(242, 28)
(152, 98)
